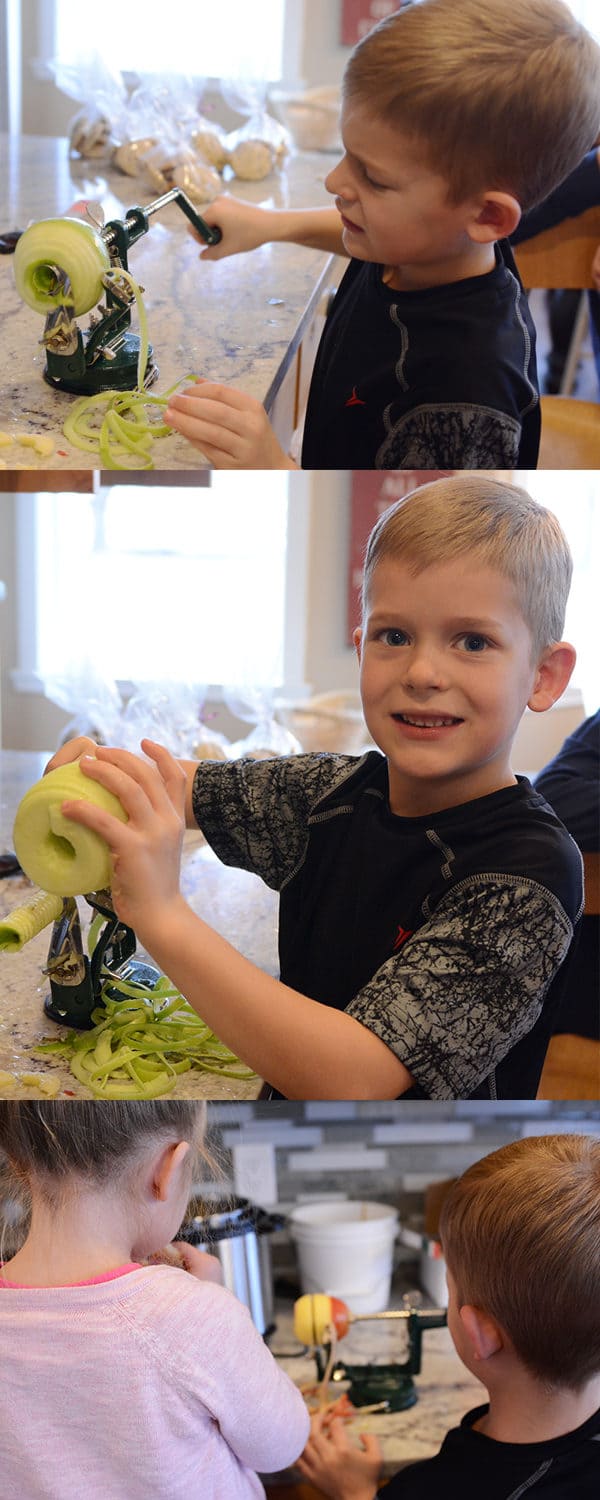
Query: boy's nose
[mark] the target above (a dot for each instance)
(422, 669)
(337, 181)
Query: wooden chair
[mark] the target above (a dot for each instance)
(562, 257)
(572, 1066)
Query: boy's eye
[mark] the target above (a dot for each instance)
(379, 186)
(474, 643)
(393, 636)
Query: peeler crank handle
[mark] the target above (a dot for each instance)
(211, 233)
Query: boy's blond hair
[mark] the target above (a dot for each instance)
(495, 94)
(520, 1232)
(500, 525)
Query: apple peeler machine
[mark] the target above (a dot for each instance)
(76, 981)
(370, 1384)
(105, 355)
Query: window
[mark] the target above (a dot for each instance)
(587, 12)
(200, 587)
(227, 41)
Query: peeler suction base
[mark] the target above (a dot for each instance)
(68, 373)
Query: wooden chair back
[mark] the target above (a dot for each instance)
(562, 256)
(570, 433)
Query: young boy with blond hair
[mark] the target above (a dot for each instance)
(428, 897)
(520, 1232)
(456, 118)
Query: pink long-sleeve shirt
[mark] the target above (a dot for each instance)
(144, 1385)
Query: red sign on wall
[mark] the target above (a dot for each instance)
(360, 16)
(370, 495)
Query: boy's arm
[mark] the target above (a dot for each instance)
(458, 997)
(245, 226)
(304, 1049)
(230, 428)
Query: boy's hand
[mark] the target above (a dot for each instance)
(335, 1466)
(231, 429)
(82, 745)
(146, 851)
(243, 227)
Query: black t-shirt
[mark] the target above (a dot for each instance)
(471, 1466)
(449, 935)
(443, 378)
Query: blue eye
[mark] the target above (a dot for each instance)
(393, 637)
(475, 643)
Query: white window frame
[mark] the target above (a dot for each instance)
(30, 580)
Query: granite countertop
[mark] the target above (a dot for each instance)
(234, 902)
(238, 320)
(446, 1390)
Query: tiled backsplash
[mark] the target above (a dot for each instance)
(377, 1150)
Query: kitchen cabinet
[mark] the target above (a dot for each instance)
(244, 320)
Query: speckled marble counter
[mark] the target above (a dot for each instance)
(445, 1388)
(234, 902)
(238, 320)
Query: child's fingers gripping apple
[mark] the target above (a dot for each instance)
(72, 750)
(146, 850)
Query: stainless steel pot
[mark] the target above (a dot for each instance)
(238, 1232)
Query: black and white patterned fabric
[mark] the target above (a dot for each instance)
(449, 936)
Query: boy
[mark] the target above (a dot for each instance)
(521, 1237)
(428, 900)
(455, 119)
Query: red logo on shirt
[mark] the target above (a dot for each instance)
(355, 400)
(403, 935)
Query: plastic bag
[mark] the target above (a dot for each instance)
(256, 705)
(101, 93)
(262, 142)
(94, 702)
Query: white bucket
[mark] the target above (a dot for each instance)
(346, 1250)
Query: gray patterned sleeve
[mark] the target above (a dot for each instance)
(254, 812)
(469, 984)
(460, 435)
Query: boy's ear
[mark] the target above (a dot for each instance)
(357, 638)
(552, 676)
(483, 1334)
(495, 218)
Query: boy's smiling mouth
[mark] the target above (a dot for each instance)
(426, 722)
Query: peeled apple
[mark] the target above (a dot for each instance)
(57, 854)
(71, 245)
(315, 1313)
(25, 923)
